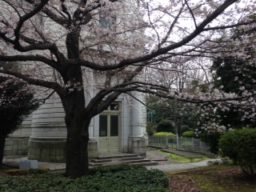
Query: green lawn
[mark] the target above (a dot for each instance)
(184, 159)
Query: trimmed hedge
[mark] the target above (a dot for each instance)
(105, 179)
(240, 146)
(164, 134)
(188, 134)
(165, 125)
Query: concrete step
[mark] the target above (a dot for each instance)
(109, 159)
(148, 163)
(130, 159)
(143, 163)
(117, 156)
(136, 161)
(100, 160)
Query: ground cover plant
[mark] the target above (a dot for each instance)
(104, 179)
(212, 179)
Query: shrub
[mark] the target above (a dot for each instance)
(164, 134)
(188, 134)
(150, 129)
(240, 146)
(16, 101)
(165, 125)
(171, 136)
(212, 139)
(104, 179)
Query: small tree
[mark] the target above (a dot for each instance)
(16, 101)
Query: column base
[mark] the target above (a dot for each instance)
(137, 145)
(16, 146)
(53, 150)
(93, 149)
(47, 149)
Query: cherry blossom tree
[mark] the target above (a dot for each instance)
(126, 43)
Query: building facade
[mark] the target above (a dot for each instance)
(119, 129)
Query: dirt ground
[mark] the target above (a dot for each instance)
(212, 179)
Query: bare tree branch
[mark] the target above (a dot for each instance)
(51, 85)
(24, 58)
(23, 19)
(163, 50)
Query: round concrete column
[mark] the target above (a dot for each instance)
(48, 134)
(137, 139)
(17, 143)
(138, 116)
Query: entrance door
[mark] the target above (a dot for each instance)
(109, 128)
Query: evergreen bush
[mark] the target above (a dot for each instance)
(188, 134)
(240, 146)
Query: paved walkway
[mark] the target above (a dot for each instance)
(173, 166)
(181, 166)
(165, 164)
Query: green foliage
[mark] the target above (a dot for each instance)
(104, 179)
(170, 136)
(16, 101)
(150, 129)
(165, 125)
(235, 75)
(164, 134)
(188, 134)
(212, 139)
(240, 146)
(182, 115)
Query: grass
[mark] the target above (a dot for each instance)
(183, 159)
(213, 179)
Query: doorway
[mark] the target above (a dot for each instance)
(109, 130)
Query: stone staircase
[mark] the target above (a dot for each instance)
(128, 159)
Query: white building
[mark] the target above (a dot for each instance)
(119, 129)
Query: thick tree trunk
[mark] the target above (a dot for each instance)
(77, 146)
(2, 144)
(77, 121)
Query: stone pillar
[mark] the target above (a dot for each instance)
(48, 134)
(137, 138)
